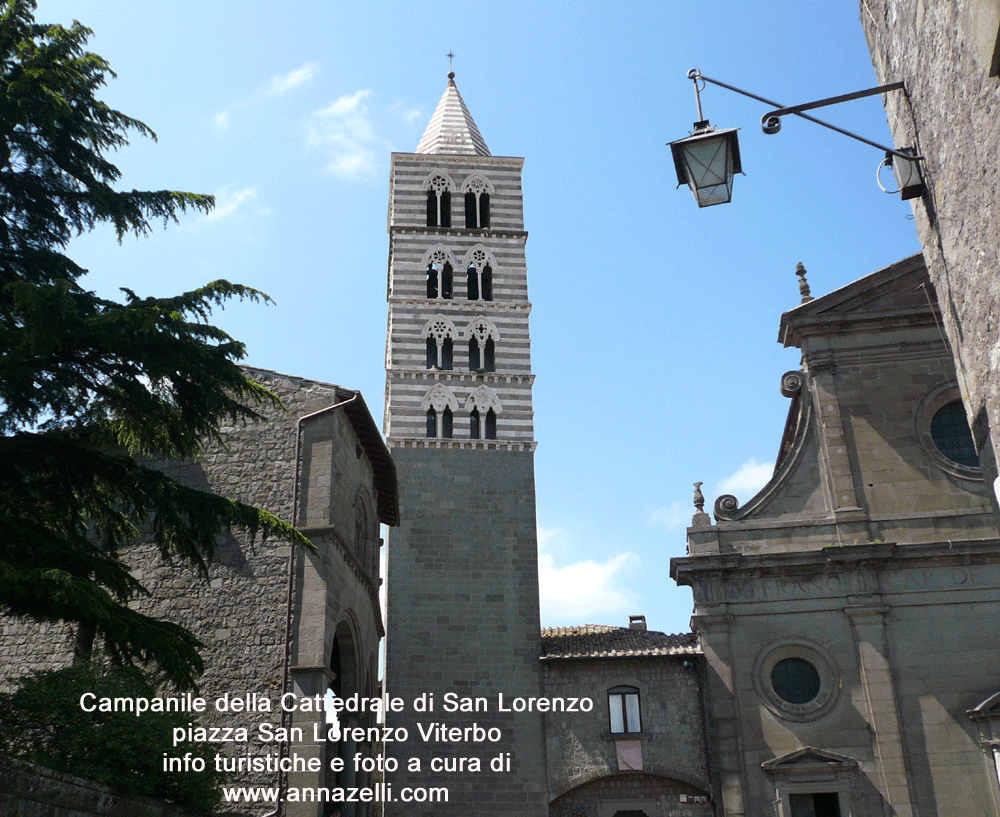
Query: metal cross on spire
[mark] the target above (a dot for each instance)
(451, 65)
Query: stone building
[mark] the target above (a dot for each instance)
(463, 565)
(274, 618)
(947, 53)
(847, 617)
(849, 613)
(641, 750)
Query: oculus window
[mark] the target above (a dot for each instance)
(942, 429)
(952, 437)
(795, 680)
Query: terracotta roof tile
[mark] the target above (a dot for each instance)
(603, 641)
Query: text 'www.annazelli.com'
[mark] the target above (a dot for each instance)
(382, 793)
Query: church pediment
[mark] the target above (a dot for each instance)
(808, 754)
(865, 429)
(897, 293)
(808, 761)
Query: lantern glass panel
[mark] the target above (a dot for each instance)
(716, 194)
(707, 162)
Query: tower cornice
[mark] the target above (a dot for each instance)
(457, 232)
(413, 373)
(460, 305)
(487, 445)
(432, 159)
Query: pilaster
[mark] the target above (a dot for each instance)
(881, 707)
(838, 473)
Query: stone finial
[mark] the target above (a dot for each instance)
(803, 283)
(700, 518)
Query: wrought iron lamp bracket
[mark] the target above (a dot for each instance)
(771, 121)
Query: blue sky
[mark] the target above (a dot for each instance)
(653, 322)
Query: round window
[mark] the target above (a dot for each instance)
(951, 435)
(795, 681)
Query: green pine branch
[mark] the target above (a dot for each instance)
(92, 390)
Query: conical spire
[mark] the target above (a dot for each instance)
(452, 129)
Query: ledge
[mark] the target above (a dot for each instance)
(437, 442)
(461, 304)
(471, 232)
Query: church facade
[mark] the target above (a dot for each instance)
(849, 613)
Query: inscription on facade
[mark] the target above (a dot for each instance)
(829, 585)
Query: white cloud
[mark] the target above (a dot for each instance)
(228, 202)
(747, 480)
(410, 115)
(671, 516)
(283, 83)
(222, 120)
(583, 590)
(344, 129)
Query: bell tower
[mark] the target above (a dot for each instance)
(462, 588)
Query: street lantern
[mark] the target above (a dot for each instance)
(706, 161)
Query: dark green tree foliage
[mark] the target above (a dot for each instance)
(41, 721)
(90, 387)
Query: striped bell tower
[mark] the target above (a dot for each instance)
(462, 588)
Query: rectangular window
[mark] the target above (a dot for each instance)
(623, 706)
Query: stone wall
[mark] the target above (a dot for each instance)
(582, 754)
(945, 52)
(580, 747)
(633, 794)
(240, 613)
(463, 618)
(30, 790)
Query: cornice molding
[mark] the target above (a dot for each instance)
(459, 305)
(432, 159)
(404, 373)
(438, 442)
